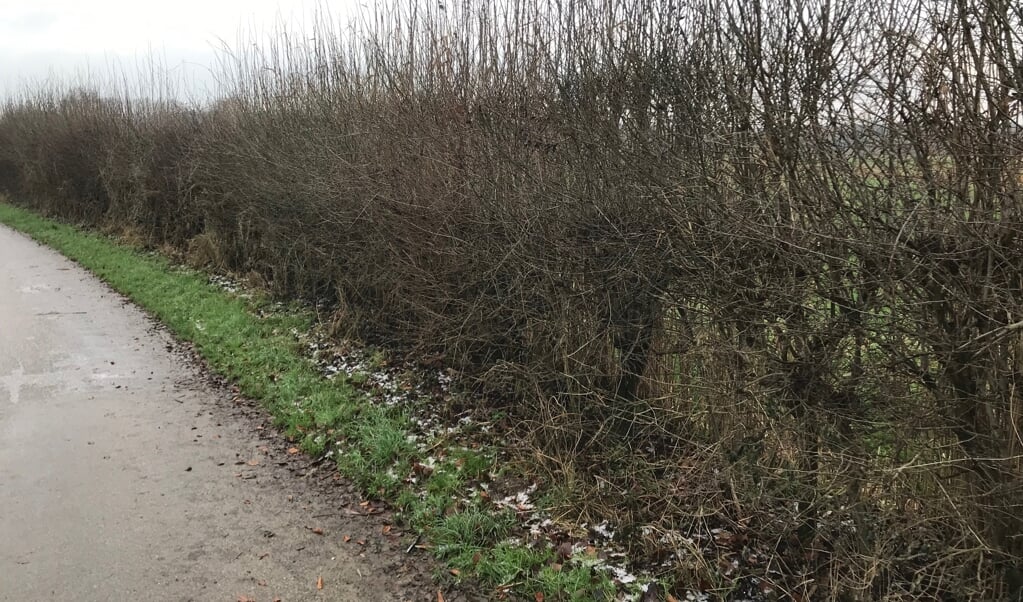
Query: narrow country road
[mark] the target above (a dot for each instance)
(125, 475)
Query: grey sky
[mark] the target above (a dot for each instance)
(77, 39)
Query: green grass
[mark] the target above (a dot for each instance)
(259, 352)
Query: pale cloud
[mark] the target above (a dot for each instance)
(62, 39)
(34, 20)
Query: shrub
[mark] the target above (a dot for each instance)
(760, 261)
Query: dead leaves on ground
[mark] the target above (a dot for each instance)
(365, 508)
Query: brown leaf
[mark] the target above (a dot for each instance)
(347, 538)
(385, 529)
(671, 598)
(724, 538)
(440, 596)
(538, 596)
(455, 572)
(253, 462)
(293, 450)
(317, 530)
(319, 583)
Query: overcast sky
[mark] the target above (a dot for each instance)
(67, 39)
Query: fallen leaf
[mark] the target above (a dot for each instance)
(317, 530)
(538, 596)
(361, 542)
(347, 538)
(455, 572)
(440, 596)
(672, 598)
(385, 529)
(293, 450)
(253, 462)
(319, 583)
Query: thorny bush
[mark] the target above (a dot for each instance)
(746, 266)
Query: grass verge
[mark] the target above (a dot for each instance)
(252, 341)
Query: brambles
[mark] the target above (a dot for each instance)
(757, 265)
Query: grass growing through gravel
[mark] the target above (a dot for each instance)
(252, 342)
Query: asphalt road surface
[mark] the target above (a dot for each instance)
(124, 474)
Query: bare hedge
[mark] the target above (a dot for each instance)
(748, 266)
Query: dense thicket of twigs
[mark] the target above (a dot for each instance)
(755, 266)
